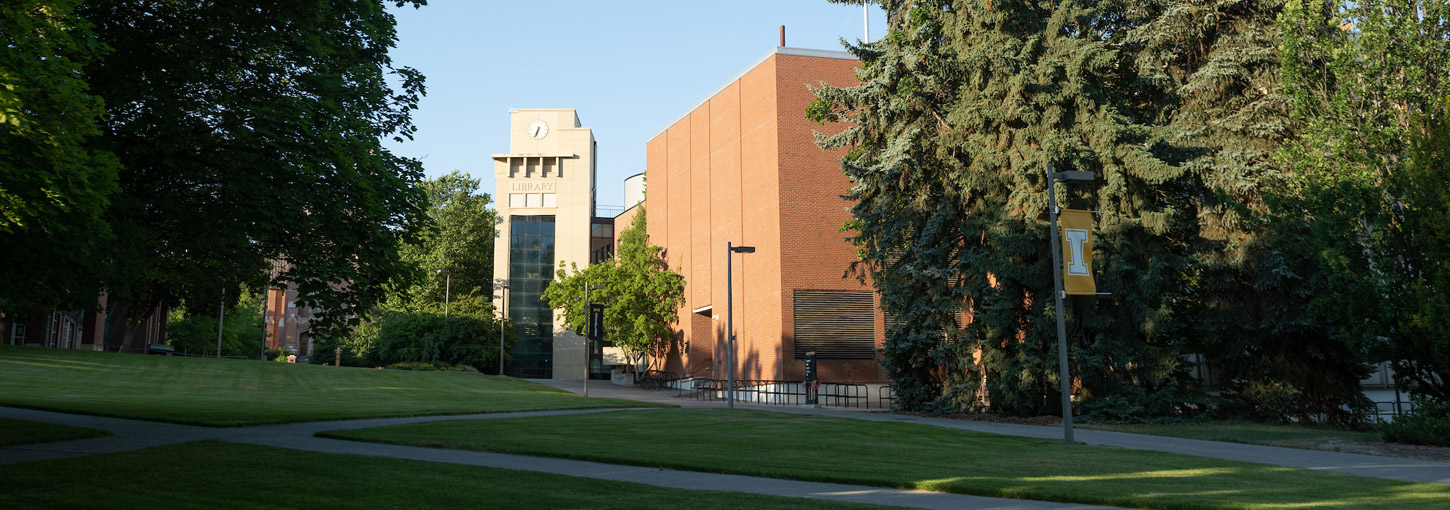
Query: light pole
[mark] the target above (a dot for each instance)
(447, 284)
(503, 287)
(220, 318)
(731, 249)
(588, 323)
(1058, 294)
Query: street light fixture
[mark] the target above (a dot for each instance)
(447, 285)
(731, 249)
(1058, 293)
(587, 343)
(503, 287)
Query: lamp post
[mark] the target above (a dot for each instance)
(587, 324)
(731, 249)
(221, 318)
(503, 287)
(447, 285)
(1060, 295)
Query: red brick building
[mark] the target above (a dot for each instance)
(742, 167)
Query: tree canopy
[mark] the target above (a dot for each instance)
(54, 186)
(1177, 108)
(240, 133)
(1361, 213)
(641, 294)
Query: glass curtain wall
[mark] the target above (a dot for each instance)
(531, 268)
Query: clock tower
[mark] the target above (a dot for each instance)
(545, 205)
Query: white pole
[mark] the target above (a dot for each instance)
(866, 19)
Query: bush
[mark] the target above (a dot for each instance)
(1429, 424)
(404, 337)
(429, 367)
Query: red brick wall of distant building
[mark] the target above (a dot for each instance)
(743, 167)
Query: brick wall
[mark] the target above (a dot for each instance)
(743, 168)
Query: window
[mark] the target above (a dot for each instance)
(531, 268)
(516, 199)
(551, 200)
(532, 200)
(601, 240)
(835, 324)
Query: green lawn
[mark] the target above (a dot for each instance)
(1289, 436)
(911, 456)
(215, 474)
(19, 432)
(238, 392)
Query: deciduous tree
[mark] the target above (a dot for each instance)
(251, 131)
(641, 294)
(54, 187)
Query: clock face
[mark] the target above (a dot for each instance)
(538, 129)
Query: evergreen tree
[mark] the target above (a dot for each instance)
(962, 107)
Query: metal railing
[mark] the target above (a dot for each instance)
(1387, 411)
(775, 392)
(886, 395)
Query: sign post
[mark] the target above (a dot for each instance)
(1058, 294)
(812, 397)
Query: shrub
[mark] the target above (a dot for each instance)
(404, 337)
(279, 355)
(1428, 424)
(429, 367)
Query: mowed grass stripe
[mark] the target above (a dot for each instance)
(240, 392)
(214, 474)
(903, 455)
(23, 432)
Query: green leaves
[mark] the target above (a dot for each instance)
(54, 186)
(1359, 217)
(641, 295)
(249, 132)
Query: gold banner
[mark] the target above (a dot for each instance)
(1077, 252)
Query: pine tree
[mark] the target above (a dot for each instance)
(961, 109)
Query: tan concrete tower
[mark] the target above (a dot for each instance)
(545, 200)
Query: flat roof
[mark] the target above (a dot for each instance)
(778, 50)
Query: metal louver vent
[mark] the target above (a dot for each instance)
(835, 324)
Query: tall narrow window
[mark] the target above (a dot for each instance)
(531, 268)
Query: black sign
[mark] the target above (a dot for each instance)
(810, 366)
(596, 321)
(812, 397)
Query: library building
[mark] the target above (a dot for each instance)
(741, 168)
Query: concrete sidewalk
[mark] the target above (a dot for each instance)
(134, 435)
(1394, 468)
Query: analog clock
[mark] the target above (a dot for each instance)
(538, 129)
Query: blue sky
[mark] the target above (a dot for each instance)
(647, 62)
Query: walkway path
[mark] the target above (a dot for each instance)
(1393, 468)
(133, 435)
